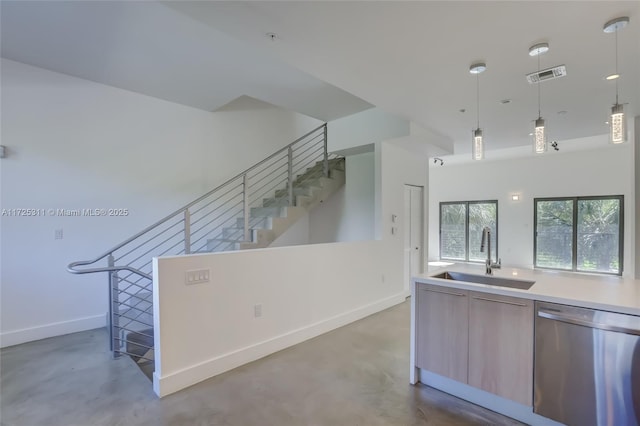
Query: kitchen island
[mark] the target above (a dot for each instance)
(476, 341)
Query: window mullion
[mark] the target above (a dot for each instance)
(497, 230)
(466, 227)
(535, 233)
(574, 249)
(440, 229)
(620, 234)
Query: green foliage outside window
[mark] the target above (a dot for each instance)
(579, 234)
(461, 225)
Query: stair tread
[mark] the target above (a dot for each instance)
(227, 240)
(308, 186)
(140, 346)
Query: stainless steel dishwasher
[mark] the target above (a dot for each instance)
(587, 366)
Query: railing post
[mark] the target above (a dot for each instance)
(245, 202)
(290, 175)
(114, 319)
(187, 232)
(325, 165)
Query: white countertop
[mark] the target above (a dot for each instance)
(609, 293)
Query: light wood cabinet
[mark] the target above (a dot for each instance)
(442, 327)
(481, 339)
(501, 346)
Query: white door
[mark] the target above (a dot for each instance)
(413, 232)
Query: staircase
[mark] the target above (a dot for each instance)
(275, 216)
(251, 210)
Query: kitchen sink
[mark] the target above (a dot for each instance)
(485, 279)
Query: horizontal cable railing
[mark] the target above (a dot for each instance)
(217, 221)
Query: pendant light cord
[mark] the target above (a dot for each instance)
(539, 115)
(478, 98)
(617, 67)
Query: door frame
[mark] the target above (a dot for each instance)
(407, 215)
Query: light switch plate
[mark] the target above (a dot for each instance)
(197, 276)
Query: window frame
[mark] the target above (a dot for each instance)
(574, 240)
(466, 229)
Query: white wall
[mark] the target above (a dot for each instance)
(73, 144)
(367, 127)
(304, 290)
(297, 234)
(349, 214)
(603, 171)
(399, 167)
(203, 330)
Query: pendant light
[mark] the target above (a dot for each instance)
(617, 122)
(477, 143)
(539, 136)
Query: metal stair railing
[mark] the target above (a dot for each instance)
(191, 229)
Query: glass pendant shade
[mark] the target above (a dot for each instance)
(539, 138)
(617, 122)
(618, 130)
(477, 145)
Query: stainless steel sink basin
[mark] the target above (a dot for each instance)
(485, 279)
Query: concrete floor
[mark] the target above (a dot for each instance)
(356, 375)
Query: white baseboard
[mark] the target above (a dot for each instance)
(16, 337)
(174, 382)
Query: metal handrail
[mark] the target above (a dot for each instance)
(71, 267)
(112, 269)
(262, 185)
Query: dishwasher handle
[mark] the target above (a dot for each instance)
(559, 316)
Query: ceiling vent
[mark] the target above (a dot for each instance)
(548, 74)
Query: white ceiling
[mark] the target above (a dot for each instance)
(151, 49)
(409, 58)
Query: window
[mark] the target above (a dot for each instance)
(581, 234)
(461, 225)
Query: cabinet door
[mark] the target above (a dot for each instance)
(501, 346)
(442, 331)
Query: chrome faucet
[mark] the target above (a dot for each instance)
(489, 265)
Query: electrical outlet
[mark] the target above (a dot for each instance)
(58, 234)
(257, 310)
(197, 276)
